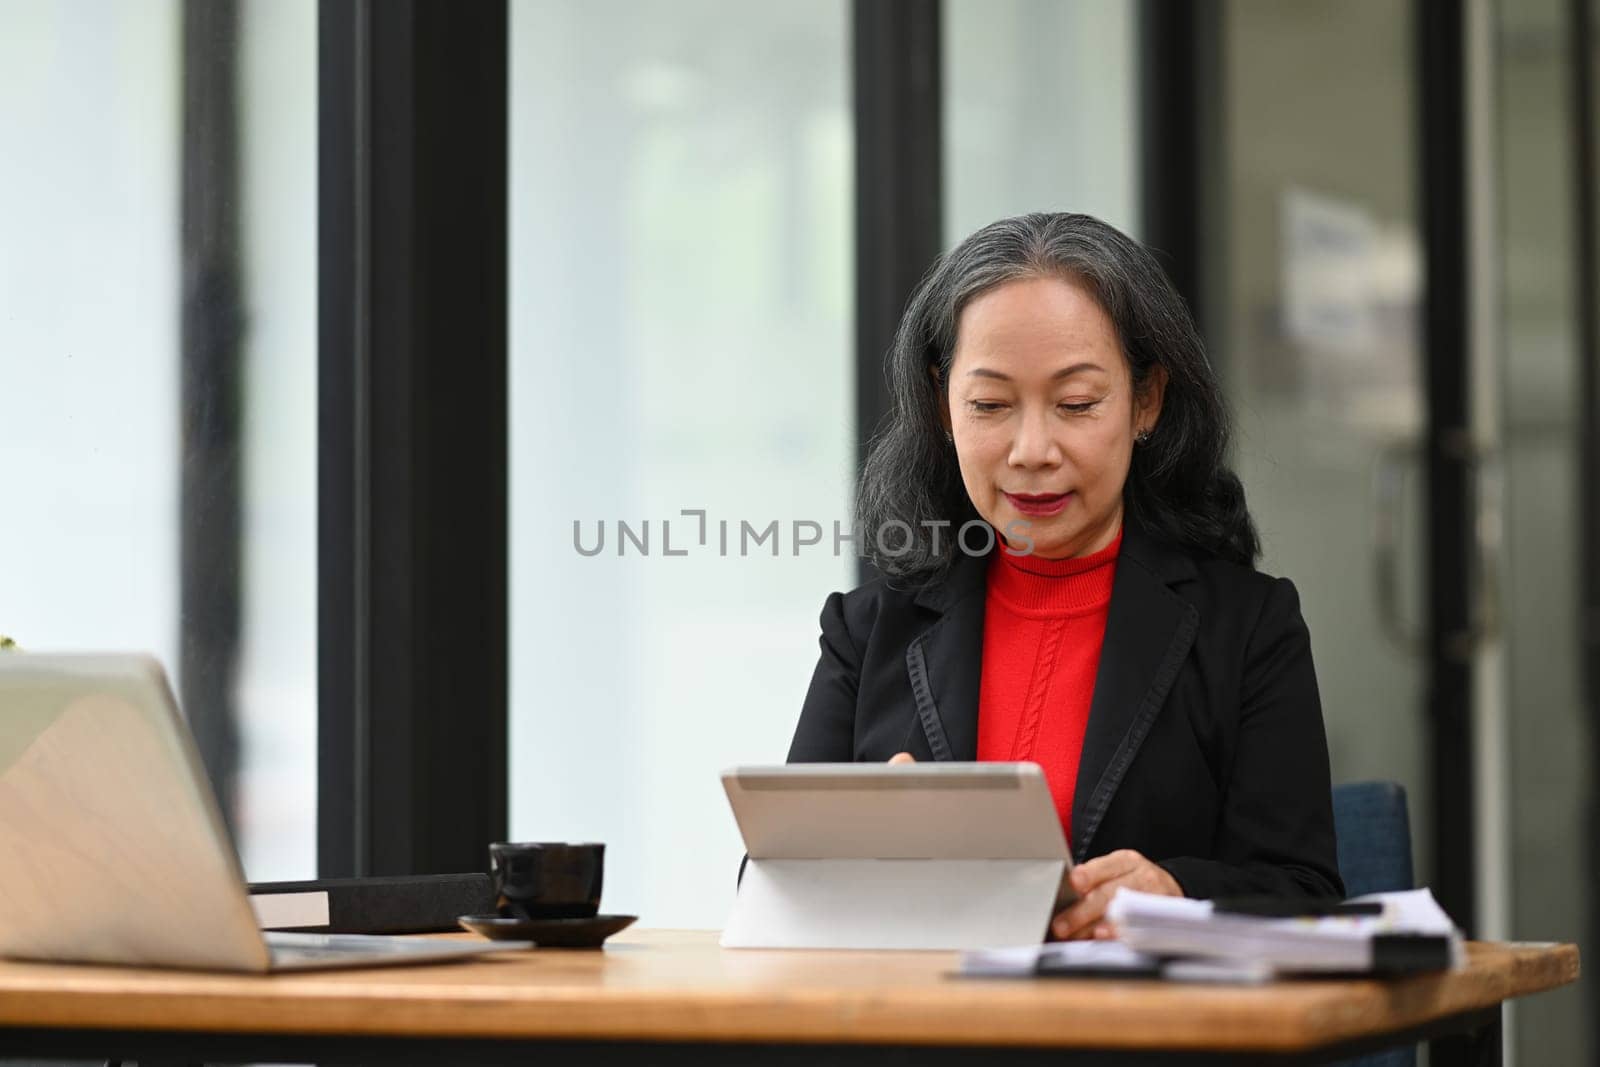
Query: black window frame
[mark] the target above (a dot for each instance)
(897, 84)
(412, 433)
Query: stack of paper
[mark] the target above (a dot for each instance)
(1411, 934)
(1192, 940)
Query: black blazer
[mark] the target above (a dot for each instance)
(1204, 749)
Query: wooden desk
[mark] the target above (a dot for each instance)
(675, 997)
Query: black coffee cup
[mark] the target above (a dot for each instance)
(547, 879)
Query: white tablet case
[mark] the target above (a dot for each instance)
(925, 856)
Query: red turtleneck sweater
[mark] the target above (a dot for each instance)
(1044, 622)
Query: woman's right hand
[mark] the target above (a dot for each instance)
(902, 757)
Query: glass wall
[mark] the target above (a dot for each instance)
(1322, 356)
(89, 152)
(90, 300)
(276, 697)
(681, 342)
(1041, 111)
(1537, 399)
(1320, 351)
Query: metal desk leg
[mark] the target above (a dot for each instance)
(1480, 1047)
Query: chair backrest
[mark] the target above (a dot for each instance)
(1374, 836)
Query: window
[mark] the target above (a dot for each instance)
(101, 482)
(681, 339)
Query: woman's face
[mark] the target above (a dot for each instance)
(1043, 412)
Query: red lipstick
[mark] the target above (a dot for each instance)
(1039, 504)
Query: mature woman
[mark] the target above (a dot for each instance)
(1068, 578)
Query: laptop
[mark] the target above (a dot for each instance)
(112, 849)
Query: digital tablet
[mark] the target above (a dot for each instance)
(895, 811)
(983, 859)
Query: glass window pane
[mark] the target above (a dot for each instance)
(89, 152)
(91, 290)
(681, 339)
(1041, 111)
(277, 674)
(1321, 350)
(1536, 395)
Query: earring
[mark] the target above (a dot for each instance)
(950, 437)
(1142, 437)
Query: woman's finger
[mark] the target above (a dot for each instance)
(1079, 919)
(1090, 873)
(1087, 914)
(902, 757)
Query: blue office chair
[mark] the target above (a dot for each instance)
(1374, 837)
(1374, 833)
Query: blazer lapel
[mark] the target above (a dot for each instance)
(944, 664)
(1149, 629)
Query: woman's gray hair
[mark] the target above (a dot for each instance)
(1179, 486)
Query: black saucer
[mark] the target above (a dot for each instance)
(589, 932)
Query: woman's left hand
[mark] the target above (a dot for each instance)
(1097, 880)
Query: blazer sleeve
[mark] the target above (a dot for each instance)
(1275, 834)
(826, 730)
